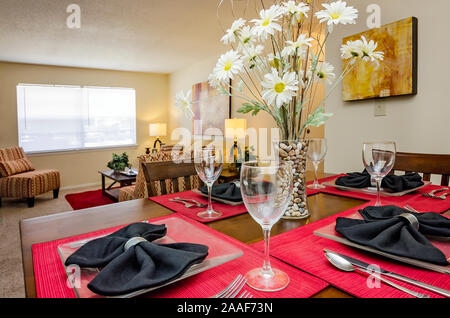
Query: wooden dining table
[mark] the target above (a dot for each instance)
(241, 227)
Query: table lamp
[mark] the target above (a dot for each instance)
(235, 128)
(157, 130)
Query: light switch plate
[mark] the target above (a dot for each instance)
(380, 108)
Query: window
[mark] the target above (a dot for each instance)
(58, 118)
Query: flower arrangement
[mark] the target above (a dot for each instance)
(279, 60)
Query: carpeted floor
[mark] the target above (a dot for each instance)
(11, 274)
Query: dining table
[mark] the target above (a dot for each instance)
(241, 227)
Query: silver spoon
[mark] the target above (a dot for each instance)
(346, 266)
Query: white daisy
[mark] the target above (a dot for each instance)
(303, 80)
(267, 23)
(337, 12)
(274, 61)
(367, 50)
(212, 80)
(251, 53)
(228, 64)
(184, 101)
(246, 36)
(278, 91)
(230, 35)
(298, 47)
(298, 10)
(325, 72)
(350, 50)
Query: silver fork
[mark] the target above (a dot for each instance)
(198, 204)
(186, 205)
(410, 208)
(431, 194)
(442, 196)
(246, 294)
(232, 290)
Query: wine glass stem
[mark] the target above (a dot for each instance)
(209, 198)
(378, 181)
(266, 269)
(316, 167)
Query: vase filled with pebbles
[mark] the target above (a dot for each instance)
(294, 152)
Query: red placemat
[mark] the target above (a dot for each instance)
(308, 229)
(51, 278)
(312, 191)
(227, 210)
(304, 250)
(424, 204)
(415, 199)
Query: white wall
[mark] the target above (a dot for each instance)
(417, 123)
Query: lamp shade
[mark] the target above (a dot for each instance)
(235, 128)
(157, 130)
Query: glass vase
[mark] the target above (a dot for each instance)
(294, 152)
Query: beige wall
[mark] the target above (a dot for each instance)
(417, 123)
(79, 168)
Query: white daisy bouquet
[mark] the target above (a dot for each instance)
(277, 60)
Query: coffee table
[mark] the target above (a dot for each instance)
(123, 180)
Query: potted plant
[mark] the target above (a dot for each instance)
(119, 162)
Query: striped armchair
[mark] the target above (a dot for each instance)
(18, 178)
(139, 190)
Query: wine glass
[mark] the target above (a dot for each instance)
(317, 149)
(378, 158)
(266, 189)
(208, 164)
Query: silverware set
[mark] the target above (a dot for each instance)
(432, 194)
(188, 203)
(232, 290)
(349, 264)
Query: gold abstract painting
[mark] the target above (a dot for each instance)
(397, 74)
(210, 110)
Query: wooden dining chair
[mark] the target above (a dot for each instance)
(427, 164)
(169, 177)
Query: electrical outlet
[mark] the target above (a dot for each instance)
(380, 108)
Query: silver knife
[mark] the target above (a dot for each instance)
(402, 278)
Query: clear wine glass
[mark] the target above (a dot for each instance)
(317, 149)
(266, 189)
(378, 158)
(208, 164)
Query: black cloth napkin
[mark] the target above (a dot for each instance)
(142, 266)
(391, 182)
(384, 230)
(227, 191)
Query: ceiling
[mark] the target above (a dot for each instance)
(134, 35)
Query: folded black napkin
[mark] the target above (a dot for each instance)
(141, 266)
(227, 191)
(391, 182)
(385, 230)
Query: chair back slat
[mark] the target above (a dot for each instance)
(162, 184)
(175, 185)
(167, 170)
(445, 179)
(187, 182)
(427, 164)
